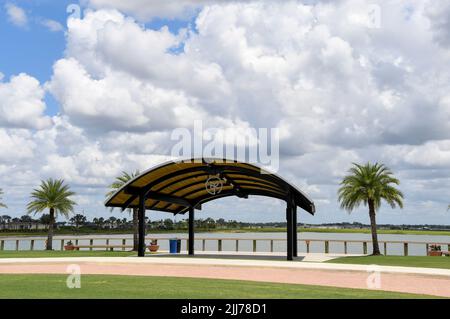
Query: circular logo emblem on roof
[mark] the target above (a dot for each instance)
(214, 185)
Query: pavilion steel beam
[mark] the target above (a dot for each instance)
(191, 231)
(181, 180)
(141, 242)
(128, 202)
(146, 208)
(242, 191)
(231, 181)
(208, 197)
(168, 198)
(289, 228)
(243, 176)
(242, 181)
(196, 176)
(158, 196)
(247, 182)
(294, 222)
(237, 186)
(186, 187)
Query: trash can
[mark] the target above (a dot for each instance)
(178, 245)
(173, 243)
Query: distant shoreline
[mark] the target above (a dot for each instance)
(241, 230)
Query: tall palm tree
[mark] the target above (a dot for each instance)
(53, 195)
(369, 184)
(118, 183)
(2, 204)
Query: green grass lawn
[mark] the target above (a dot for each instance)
(408, 261)
(119, 287)
(63, 253)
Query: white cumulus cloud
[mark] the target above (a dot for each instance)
(22, 103)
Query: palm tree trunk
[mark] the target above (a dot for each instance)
(373, 226)
(49, 245)
(135, 229)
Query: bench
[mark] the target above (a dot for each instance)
(106, 247)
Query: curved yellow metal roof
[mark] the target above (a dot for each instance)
(177, 185)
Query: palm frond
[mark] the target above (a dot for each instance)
(120, 181)
(51, 194)
(374, 182)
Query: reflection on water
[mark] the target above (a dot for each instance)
(246, 242)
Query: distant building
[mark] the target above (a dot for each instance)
(32, 225)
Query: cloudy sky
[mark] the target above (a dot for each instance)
(91, 89)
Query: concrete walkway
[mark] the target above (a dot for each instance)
(401, 279)
(280, 256)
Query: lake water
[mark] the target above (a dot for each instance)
(246, 244)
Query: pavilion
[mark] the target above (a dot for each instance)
(182, 186)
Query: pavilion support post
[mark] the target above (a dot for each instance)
(289, 230)
(141, 242)
(191, 231)
(294, 235)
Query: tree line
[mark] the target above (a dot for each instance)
(81, 221)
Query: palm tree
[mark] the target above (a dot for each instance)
(369, 184)
(2, 204)
(6, 219)
(53, 195)
(78, 220)
(118, 183)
